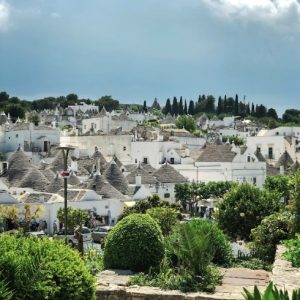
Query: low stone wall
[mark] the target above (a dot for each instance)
(283, 274)
(112, 284)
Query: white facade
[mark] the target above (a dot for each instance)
(111, 208)
(272, 147)
(155, 152)
(109, 145)
(253, 172)
(31, 138)
(72, 110)
(106, 123)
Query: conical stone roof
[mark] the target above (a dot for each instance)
(58, 162)
(284, 160)
(73, 179)
(295, 167)
(34, 179)
(18, 166)
(98, 155)
(48, 173)
(148, 168)
(167, 174)
(116, 178)
(104, 188)
(117, 161)
(146, 177)
(55, 185)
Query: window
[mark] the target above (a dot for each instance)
(172, 161)
(17, 135)
(249, 158)
(135, 160)
(270, 152)
(167, 195)
(145, 160)
(254, 180)
(124, 148)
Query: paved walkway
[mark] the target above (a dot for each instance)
(232, 286)
(235, 279)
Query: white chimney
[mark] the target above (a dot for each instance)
(138, 180)
(281, 170)
(187, 152)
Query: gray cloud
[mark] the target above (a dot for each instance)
(271, 12)
(4, 14)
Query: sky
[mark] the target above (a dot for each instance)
(137, 50)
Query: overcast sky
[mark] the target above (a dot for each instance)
(136, 50)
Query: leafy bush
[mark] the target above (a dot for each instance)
(293, 250)
(222, 251)
(271, 293)
(194, 247)
(269, 233)
(43, 269)
(93, 261)
(233, 139)
(135, 243)
(295, 192)
(243, 208)
(142, 206)
(5, 292)
(165, 217)
(251, 263)
(278, 183)
(181, 279)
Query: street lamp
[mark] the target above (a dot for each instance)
(65, 151)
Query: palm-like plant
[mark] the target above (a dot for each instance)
(194, 248)
(32, 212)
(9, 214)
(271, 293)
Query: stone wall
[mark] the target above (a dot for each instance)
(112, 284)
(283, 274)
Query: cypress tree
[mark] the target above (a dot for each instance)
(236, 105)
(191, 110)
(248, 112)
(185, 110)
(220, 109)
(145, 109)
(168, 108)
(175, 107)
(252, 110)
(180, 107)
(225, 105)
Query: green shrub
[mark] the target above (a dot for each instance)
(170, 278)
(43, 269)
(165, 217)
(93, 261)
(222, 251)
(251, 263)
(5, 292)
(293, 250)
(269, 233)
(243, 208)
(135, 243)
(271, 293)
(142, 206)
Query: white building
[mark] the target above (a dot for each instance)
(229, 163)
(106, 122)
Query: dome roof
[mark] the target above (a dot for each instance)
(116, 178)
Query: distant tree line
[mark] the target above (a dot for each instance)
(224, 106)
